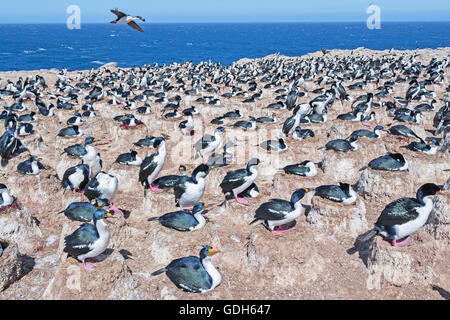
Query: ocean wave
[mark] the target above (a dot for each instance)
(97, 62)
(67, 47)
(41, 49)
(189, 43)
(28, 51)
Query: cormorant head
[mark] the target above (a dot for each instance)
(345, 187)
(427, 190)
(89, 140)
(3, 187)
(378, 128)
(102, 202)
(102, 214)
(158, 142)
(353, 138)
(282, 144)
(304, 163)
(432, 141)
(201, 171)
(182, 169)
(207, 251)
(220, 130)
(299, 194)
(34, 158)
(199, 207)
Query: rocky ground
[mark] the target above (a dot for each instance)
(316, 261)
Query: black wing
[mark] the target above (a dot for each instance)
(147, 167)
(118, 13)
(79, 241)
(275, 209)
(398, 212)
(180, 187)
(233, 179)
(91, 191)
(333, 193)
(135, 26)
(189, 274)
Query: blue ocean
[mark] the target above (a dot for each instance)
(45, 46)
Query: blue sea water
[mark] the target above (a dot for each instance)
(45, 46)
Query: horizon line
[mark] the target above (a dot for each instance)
(242, 22)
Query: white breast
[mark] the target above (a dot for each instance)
(249, 180)
(193, 193)
(288, 218)
(410, 227)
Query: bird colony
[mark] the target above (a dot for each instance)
(321, 176)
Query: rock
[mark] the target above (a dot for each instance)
(19, 226)
(400, 266)
(341, 167)
(109, 65)
(372, 185)
(337, 218)
(439, 221)
(13, 265)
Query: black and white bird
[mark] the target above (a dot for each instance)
(341, 145)
(130, 158)
(32, 166)
(103, 186)
(291, 123)
(187, 126)
(402, 130)
(123, 18)
(184, 220)
(77, 150)
(389, 162)
(430, 147)
(302, 134)
(72, 131)
(278, 213)
(193, 274)
(152, 165)
(166, 182)
(343, 193)
(237, 181)
(305, 168)
(274, 145)
(8, 143)
(208, 144)
(89, 240)
(76, 178)
(404, 216)
(6, 199)
(189, 190)
(364, 133)
(84, 211)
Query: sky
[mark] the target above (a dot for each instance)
(160, 11)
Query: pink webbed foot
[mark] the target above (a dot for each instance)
(116, 210)
(281, 230)
(365, 124)
(403, 243)
(242, 201)
(88, 266)
(155, 188)
(274, 233)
